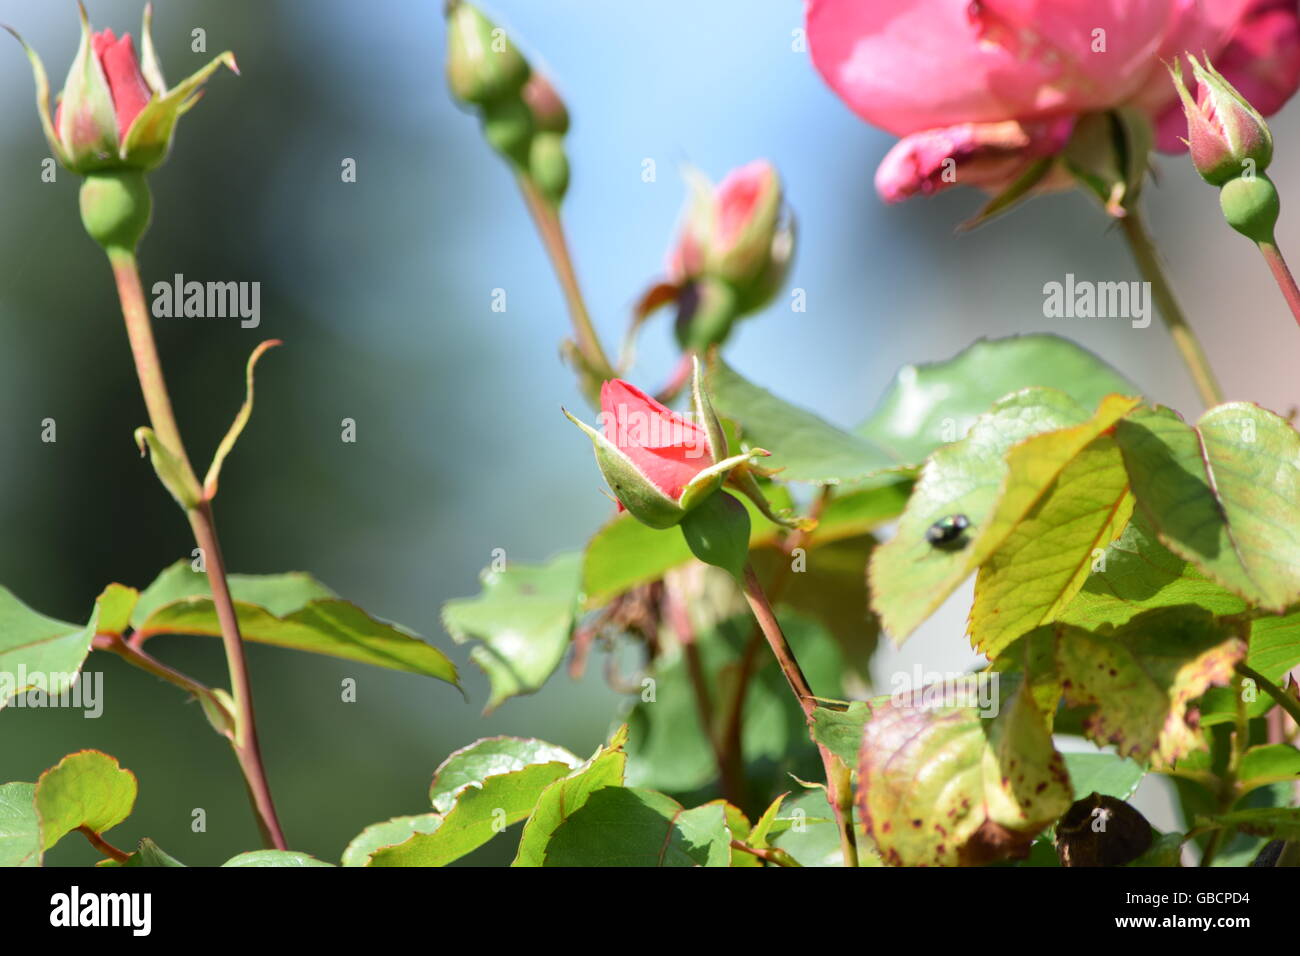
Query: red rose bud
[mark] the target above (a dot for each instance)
(659, 465)
(483, 65)
(115, 111)
(1226, 136)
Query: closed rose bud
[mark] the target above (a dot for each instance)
(738, 234)
(482, 64)
(659, 464)
(1226, 136)
(115, 112)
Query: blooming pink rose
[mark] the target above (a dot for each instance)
(936, 72)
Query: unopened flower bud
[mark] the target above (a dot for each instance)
(660, 465)
(549, 165)
(1226, 136)
(739, 235)
(115, 111)
(482, 64)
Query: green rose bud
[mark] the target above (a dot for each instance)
(482, 64)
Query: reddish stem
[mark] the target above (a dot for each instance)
(149, 370)
(1282, 273)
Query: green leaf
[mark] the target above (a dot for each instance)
(1267, 764)
(1165, 850)
(628, 826)
(286, 610)
(39, 652)
(804, 446)
(478, 791)
(566, 796)
(717, 532)
(759, 833)
(929, 405)
(1045, 560)
(943, 786)
(387, 833)
(522, 619)
(1107, 774)
(1224, 495)
(1274, 650)
(1137, 573)
(20, 828)
(148, 853)
(1278, 823)
(87, 788)
(993, 477)
(840, 731)
(274, 858)
(1142, 677)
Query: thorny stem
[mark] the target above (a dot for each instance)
(838, 789)
(1282, 273)
(1185, 339)
(551, 229)
(149, 370)
(1284, 700)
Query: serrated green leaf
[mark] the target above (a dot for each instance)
(1137, 573)
(293, 611)
(1107, 774)
(804, 446)
(87, 788)
(387, 833)
(478, 791)
(629, 826)
(1047, 557)
(992, 478)
(929, 405)
(566, 796)
(943, 786)
(1274, 650)
(522, 621)
(1224, 495)
(20, 828)
(1142, 677)
(274, 858)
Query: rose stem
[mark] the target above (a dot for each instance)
(1282, 273)
(1185, 339)
(149, 370)
(776, 587)
(838, 789)
(551, 229)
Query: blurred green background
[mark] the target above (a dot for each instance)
(382, 291)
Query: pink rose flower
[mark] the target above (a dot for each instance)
(948, 75)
